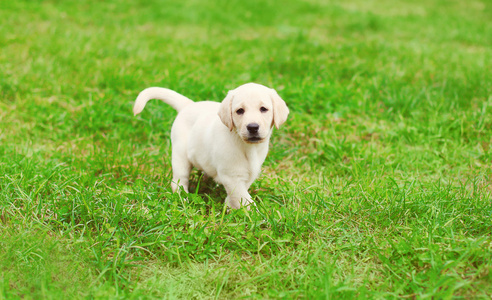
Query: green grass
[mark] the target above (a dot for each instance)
(379, 185)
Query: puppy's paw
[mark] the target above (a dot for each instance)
(248, 204)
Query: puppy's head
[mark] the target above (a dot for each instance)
(252, 110)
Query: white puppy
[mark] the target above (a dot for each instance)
(228, 141)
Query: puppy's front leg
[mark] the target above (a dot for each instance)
(237, 195)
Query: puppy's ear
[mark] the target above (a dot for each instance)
(225, 111)
(280, 109)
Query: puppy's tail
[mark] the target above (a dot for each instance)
(176, 100)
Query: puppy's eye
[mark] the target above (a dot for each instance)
(263, 109)
(240, 111)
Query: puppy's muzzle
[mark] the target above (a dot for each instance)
(253, 133)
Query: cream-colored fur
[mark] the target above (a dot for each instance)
(228, 141)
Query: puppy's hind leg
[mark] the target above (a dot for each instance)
(181, 171)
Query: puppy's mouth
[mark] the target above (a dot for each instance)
(254, 139)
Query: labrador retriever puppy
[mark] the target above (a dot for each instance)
(228, 141)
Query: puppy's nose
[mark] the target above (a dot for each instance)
(253, 127)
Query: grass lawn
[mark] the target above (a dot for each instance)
(379, 184)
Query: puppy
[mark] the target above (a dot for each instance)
(228, 141)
